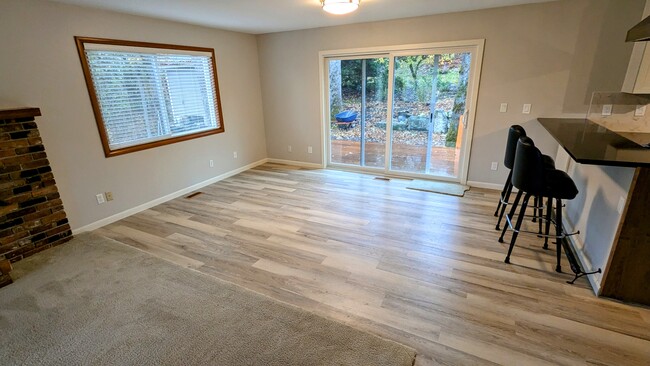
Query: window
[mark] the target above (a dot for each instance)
(147, 94)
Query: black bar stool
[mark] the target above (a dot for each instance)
(531, 177)
(514, 134)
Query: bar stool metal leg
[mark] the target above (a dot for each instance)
(506, 186)
(517, 227)
(558, 231)
(510, 215)
(549, 209)
(539, 203)
(503, 206)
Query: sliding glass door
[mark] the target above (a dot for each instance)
(405, 112)
(358, 100)
(429, 104)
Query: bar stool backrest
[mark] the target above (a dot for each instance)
(514, 134)
(528, 170)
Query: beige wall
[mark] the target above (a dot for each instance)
(552, 55)
(39, 67)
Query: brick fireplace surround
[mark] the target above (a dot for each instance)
(32, 217)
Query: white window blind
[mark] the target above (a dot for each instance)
(150, 95)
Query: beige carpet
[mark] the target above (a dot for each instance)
(96, 301)
(453, 189)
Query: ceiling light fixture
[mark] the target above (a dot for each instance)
(339, 7)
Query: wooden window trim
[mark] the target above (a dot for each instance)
(81, 41)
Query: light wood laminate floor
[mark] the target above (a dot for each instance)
(420, 268)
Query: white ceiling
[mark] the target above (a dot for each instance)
(267, 16)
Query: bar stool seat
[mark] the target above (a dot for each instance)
(549, 163)
(515, 132)
(532, 178)
(560, 185)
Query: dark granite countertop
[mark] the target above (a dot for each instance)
(590, 143)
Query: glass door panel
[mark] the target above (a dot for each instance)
(429, 104)
(358, 106)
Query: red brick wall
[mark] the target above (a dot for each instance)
(32, 217)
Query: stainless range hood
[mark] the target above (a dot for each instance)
(640, 32)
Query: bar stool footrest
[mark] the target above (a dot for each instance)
(575, 265)
(505, 203)
(561, 236)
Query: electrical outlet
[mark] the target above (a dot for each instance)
(503, 108)
(494, 166)
(526, 109)
(109, 196)
(310, 150)
(621, 205)
(639, 111)
(607, 110)
(100, 198)
(212, 163)
(234, 154)
(289, 148)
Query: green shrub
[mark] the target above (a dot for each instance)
(452, 134)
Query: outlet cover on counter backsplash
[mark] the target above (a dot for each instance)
(622, 113)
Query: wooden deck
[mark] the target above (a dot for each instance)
(419, 268)
(407, 158)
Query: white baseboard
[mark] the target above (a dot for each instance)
(472, 183)
(131, 211)
(301, 164)
(577, 246)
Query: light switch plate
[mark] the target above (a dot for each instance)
(503, 108)
(526, 109)
(607, 110)
(639, 111)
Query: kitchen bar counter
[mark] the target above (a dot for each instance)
(589, 143)
(626, 276)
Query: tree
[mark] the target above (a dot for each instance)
(336, 94)
(415, 65)
(376, 77)
(461, 93)
(459, 100)
(434, 85)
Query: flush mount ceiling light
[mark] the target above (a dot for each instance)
(340, 6)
